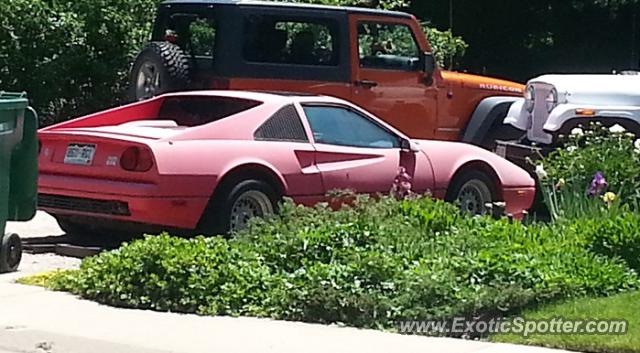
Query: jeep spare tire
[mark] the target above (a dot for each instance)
(159, 68)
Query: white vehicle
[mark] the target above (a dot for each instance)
(556, 104)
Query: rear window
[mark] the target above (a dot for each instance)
(194, 32)
(281, 40)
(194, 111)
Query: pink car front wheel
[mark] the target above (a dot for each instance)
(472, 190)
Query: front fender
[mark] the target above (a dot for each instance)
(489, 112)
(448, 158)
(518, 116)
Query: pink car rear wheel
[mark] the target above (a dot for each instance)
(231, 210)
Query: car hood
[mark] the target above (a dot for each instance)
(612, 90)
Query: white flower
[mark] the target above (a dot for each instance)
(541, 173)
(617, 128)
(571, 149)
(577, 131)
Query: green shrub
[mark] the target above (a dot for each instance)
(173, 274)
(368, 265)
(617, 236)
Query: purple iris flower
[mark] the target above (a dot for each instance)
(598, 185)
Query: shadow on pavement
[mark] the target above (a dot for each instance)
(72, 246)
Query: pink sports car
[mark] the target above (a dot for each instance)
(208, 161)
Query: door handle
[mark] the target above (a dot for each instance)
(366, 83)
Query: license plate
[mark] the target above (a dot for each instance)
(81, 154)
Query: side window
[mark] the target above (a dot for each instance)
(203, 37)
(284, 125)
(271, 39)
(387, 46)
(194, 33)
(344, 127)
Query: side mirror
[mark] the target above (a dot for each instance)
(408, 145)
(429, 63)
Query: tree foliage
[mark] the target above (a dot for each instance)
(520, 40)
(72, 56)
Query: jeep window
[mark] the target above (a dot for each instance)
(387, 46)
(270, 39)
(340, 126)
(194, 33)
(200, 110)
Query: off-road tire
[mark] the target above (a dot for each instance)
(10, 252)
(216, 219)
(172, 64)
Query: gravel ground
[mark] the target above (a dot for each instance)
(42, 226)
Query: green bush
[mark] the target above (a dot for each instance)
(617, 236)
(369, 265)
(173, 274)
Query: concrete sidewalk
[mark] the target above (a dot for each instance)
(35, 320)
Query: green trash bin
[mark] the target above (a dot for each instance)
(18, 172)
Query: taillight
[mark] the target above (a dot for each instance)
(136, 159)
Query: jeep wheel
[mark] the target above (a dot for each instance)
(160, 67)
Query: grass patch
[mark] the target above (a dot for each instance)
(45, 279)
(620, 307)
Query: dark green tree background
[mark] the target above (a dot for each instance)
(522, 39)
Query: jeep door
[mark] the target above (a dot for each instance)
(388, 75)
(355, 152)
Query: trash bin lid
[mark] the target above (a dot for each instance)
(13, 100)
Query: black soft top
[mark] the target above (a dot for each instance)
(348, 9)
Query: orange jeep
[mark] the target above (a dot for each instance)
(380, 60)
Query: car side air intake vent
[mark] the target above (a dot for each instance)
(284, 125)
